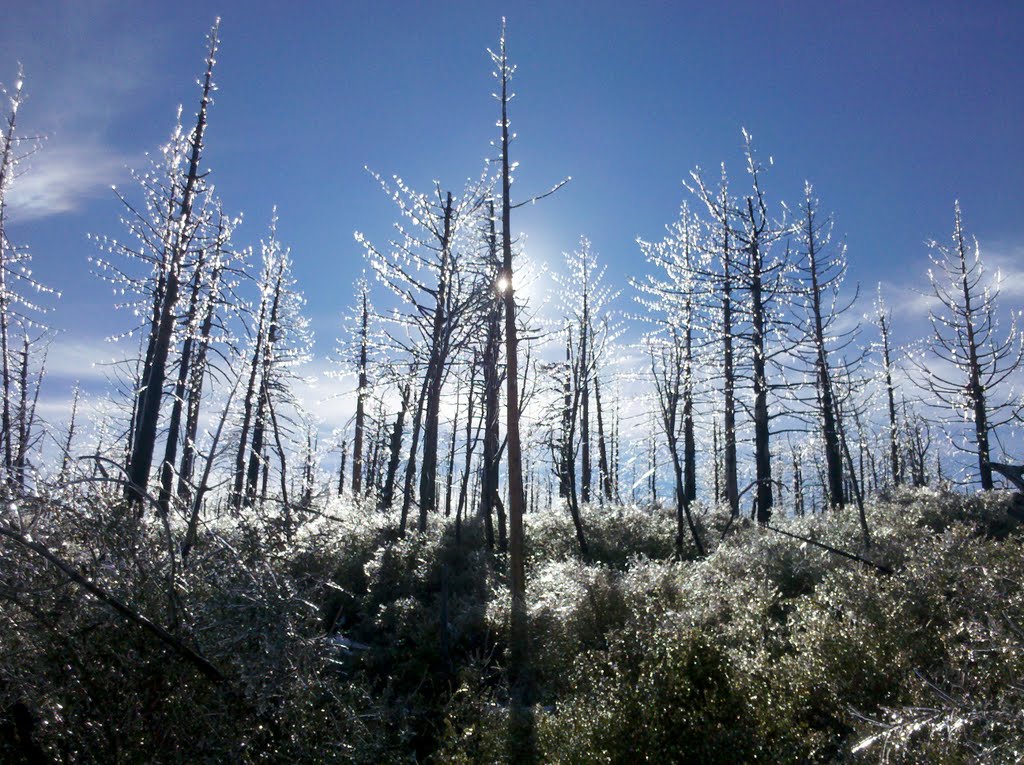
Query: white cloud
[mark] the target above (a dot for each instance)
(58, 179)
(84, 360)
(1008, 261)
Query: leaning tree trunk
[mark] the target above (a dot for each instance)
(195, 393)
(602, 446)
(264, 404)
(180, 385)
(252, 389)
(151, 390)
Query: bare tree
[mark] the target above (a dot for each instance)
(490, 499)
(671, 302)
(585, 299)
(670, 371)
(19, 310)
(425, 266)
(747, 265)
(723, 282)
(516, 497)
(280, 341)
(361, 387)
(821, 268)
(180, 230)
(884, 318)
(968, 364)
(197, 326)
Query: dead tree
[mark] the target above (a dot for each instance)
(424, 268)
(491, 393)
(669, 372)
(969, 366)
(280, 341)
(723, 282)
(884, 326)
(749, 267)
(518, 642)
(19, 310)
(670, 299)
(181, 230)
(361, 389)
(821, 269)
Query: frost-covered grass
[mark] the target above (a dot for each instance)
(331, 637)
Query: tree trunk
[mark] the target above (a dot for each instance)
(471, 440)
(341, 469)
(491, 395)
(357, 445)
(826, 407)
(395, 452)
(602, 448)
(410, 465)
(248, 400)
(731, 486)
(890, 390)
(451, 455)
(151, 391)
(975, 388)
(178, 398)
(195, 391)
(435, 377)
(519, 635)
(762, 433)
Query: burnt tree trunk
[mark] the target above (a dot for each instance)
(890, 391)
(395, 450)
(357, 444)
(180, 386)
(823, 377)
(491, 395)
(151, 389)
(435, 375)
(762, 432)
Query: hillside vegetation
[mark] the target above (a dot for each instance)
(348, 643)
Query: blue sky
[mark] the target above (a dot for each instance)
(892, 112)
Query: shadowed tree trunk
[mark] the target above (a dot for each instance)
(357, 444)
(439, 346)
(185, 362)
(758, 312)
(197, 375)
(151, 390)
(395, 444)
(410, 465)
(491, 392)
(604, 468)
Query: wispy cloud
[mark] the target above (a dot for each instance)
(86, 361)
(78, 96)
(61, 178)
(1008, 260)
